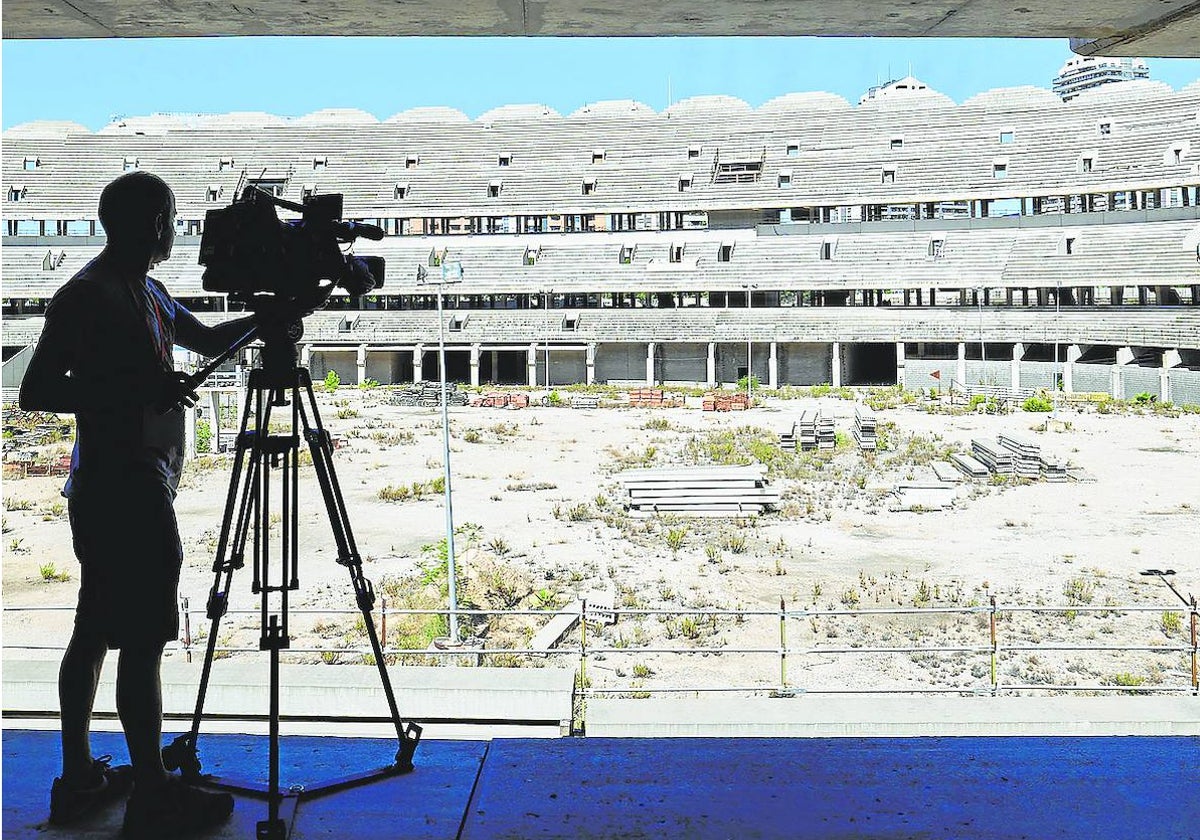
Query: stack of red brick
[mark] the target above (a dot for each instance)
(499, 400)
(725, 402)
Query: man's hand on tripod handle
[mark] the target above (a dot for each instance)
(175, 391)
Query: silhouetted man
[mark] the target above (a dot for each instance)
(105, 354)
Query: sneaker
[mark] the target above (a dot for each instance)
(106, 785)
(174, 810)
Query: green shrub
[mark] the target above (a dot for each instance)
(332, 381)
(675, 538)
(1039, 402)
(203, 436)
(368, 384)
(1171, 623)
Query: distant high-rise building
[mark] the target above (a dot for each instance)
(1083, 73)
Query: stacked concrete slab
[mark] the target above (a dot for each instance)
(864, 427)
(991, 454)
(698, 491)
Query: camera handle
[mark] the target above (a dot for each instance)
(247, 519)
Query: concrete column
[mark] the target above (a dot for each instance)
(650, 362)
(835, 373)
(712, 364)
(475, 353)
(495, 365)
(1116, 295)
(1073, 355)
(531, 365)
(305, 356)
(189, 432)
(1170, 359)
(900, 364)
(960, 370)
(418, 361)
(590, 363)
(1017, 354)
(773, 367)
(214, 410)
(362, 363)
(1124, 357)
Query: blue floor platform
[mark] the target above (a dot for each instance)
(832, 789)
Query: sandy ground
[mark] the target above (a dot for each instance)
(834, 544)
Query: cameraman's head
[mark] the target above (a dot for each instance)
(137, 211)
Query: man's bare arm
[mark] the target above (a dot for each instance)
(208, 341)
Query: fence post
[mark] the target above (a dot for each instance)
(383, 623)
(583, 645)
(992, 624)
(1195, 652)
(783, 683)
(187, 635)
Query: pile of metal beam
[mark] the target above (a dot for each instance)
(698, 491)
(969, 466)
(1027, 456)
(864, 427)
(997, 458)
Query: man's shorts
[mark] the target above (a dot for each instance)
(127, 541)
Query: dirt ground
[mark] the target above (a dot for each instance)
(546, 525)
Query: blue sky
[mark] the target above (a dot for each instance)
(89, 81)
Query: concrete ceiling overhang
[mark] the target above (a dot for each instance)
(1110, 27)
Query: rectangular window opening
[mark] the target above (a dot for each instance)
(693, 152)
(725, 253)
(493, 189)
(1086, 164)
(793, 150)
(319, 163)
(589, 186)
(401, 191)
(504, 160)
(1105, 129)
(411, 161)
(598, 155)
(32, 163)
(999, 170)
(626, 257)
(937, 248)
(896, 143)
(1006, 137)
(676, 253)
(889, 176)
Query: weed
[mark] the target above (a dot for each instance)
(1079, 591)
(13, 503)
(395, 493)
(49, 573)
(347, 413)
(499, 546)
(641, 670)
(332, 381)
(659, 424)
(472, 436)
(1171, 623)
(581, 512)
(713, 553)
(675, 538)
(734, 544)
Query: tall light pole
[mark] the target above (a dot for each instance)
(1057, 364)
(749, 287)
(546, 300)
(451, 273)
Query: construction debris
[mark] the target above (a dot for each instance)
(996, 458)
(698, 491)
(969, 466)
(428, 395)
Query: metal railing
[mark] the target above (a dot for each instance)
(585, 651)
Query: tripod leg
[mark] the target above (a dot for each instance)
(408, 734)
(182, 754)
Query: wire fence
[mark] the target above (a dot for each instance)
(781, 661)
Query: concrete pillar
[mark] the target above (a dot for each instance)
(495, 365)
(1008, 296)
(1017, 354)
(189, 432)
(1116, 295)
(531, 365)
(712, 364)
(773, 367)
(1170, 359)
(835, 373)
(214, 411)
(362, 363)
(900, 364)
(1073, 355)
(475, 354)
(960, 370)
(650, 362)
(1124, 357)
(305, 356)
(418, 362)
(590, 363)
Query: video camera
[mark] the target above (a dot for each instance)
(258, 260)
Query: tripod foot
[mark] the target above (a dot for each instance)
(271, 830)
(182, 755)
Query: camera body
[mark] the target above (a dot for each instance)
(250, 255)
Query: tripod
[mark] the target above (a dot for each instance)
(259, 454)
